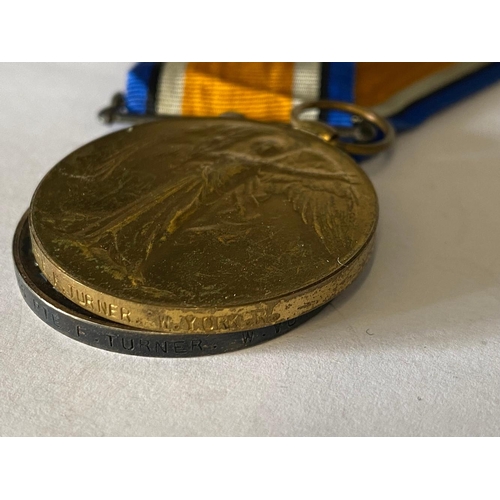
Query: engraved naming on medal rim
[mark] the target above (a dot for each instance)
(70, 319)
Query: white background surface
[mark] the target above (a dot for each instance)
(430, 300)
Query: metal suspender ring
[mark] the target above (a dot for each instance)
(334, 134)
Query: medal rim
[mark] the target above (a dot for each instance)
(95, 331)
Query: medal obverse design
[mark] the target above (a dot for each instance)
(203, 225)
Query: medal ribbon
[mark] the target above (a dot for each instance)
(405, 93)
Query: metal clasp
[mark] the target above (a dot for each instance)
(117, 112)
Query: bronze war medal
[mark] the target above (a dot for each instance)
(206, 226)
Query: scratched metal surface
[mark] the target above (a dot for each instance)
(412, 349)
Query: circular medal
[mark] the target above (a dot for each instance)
(203, 226)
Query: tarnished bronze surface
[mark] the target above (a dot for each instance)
(203, 225)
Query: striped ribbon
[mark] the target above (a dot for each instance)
(406, 93)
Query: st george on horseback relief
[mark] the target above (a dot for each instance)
(201, 208)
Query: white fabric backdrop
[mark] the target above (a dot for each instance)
(413, 348)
